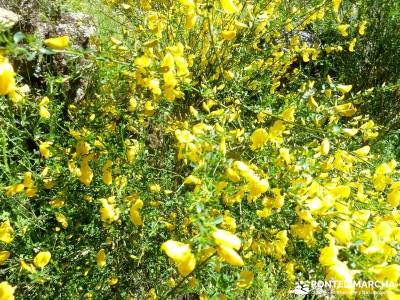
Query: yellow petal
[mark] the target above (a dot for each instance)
(42, 259)
(230, 255)
(188, 3)
(288, 114)
(258, 138)
(344, 89)
(343, 29)
(336, 5)
(57, 43)
(225, 238)
(135, 217)
(363, 151)
(62, 220)
(4, 255)
(187, 265)
(101, 258)
(245, 279)
(328, 255)
(343, 232)
(6, 291)
(175, 250)
(7, 81)
(6, 232)
(229, 6)
(324, 148)
(352, 45)
(228, 35)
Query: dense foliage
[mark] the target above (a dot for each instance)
(223, 150)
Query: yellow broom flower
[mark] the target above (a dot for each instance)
(42, 259)
(7, 80)
(57, 43)
(6, 291)
(229, 6)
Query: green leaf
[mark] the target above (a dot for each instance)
(18, 37)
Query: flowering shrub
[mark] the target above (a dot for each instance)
(211, 158)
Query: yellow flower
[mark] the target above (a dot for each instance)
(229, 6)
(223, 237)
(132, 104)
(108, 212)
(344, 89)
(186, 265)
(143, 61)
(135, 217)
(86, 173)
(336, 5)
(284, 154)
(107, 174)
(343, 232)
(288, 114)
(361, 217)
(190, 20)
(44, 149)
(175, 250)
(324, 147)
(192, 180)
(27, 267)
(113, 280)
(245, 280)
(155, 188)
(258, 138)
(228, 35)
(7, 80)
(389, 273)
(168, 62)
(328, 255)
(361, 27)
(101, 258)
(352, 45)
(44, 112)
(340, 272)
(188, 3)
(57, 43)
(343, 29)
(230, 255)
(232, 175)
(222, 146)
(154, 86)
(280, 243)
(394, 198)
(363, 151)
(4, 255)
(6, 291)
(149, 108)
(275, 132)
(82, 148)
(346, 109)
(256, 187)
(350, 131)
(28, 182)
(62, 220)
(42, 259)
(6, 232)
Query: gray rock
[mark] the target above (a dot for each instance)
(8, 19)
(29, 17)
(78, 26)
